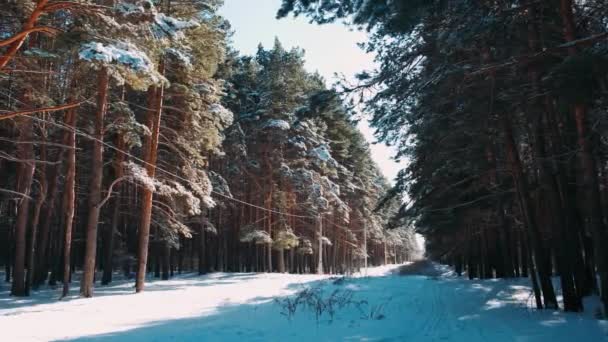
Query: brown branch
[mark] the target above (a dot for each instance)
(29, 71)
(109, 193)
(16, 45)
(40, 110)
(21, 35)
(59, 5)
(36, 161)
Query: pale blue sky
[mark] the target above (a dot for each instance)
(330, 49)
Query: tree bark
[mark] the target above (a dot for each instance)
(69, 197)
(150, 150)
(106, 278)
(25, 152)
(88, 273)
(42, 263)
(42, 193)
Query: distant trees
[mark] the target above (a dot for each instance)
(130, 138)
(500, 108)
(287, 153)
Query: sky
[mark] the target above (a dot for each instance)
(330, 49)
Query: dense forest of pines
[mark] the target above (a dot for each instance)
(134, 140)
(500, 107)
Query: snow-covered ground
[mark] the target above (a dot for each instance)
(243, 307)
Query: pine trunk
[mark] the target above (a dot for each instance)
(88, 272)
(155, 98)
(69, 198)
(25, 153)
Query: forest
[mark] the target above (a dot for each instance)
(135, 140)
(500, 107)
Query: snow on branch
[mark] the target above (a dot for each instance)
(276, 124)
(251, 234)
(169, 27)
(130, 64)
(122, 53)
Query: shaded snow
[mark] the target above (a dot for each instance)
(241, 307)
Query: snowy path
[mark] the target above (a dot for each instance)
(241, 307)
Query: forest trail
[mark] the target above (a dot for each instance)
(429, 304)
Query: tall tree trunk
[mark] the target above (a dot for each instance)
(25, 152)
(150, 149)
(88, 273)
(69, 198)
(320, 238)
(36, 219)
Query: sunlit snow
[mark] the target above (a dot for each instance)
(242, 307)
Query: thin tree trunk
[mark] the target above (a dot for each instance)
(42, 261)
(320, 256)
(106, 278)
(69, 198)
(36, 219)
(165, 259)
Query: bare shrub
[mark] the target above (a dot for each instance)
(313, 299)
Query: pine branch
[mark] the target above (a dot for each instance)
(40, 110)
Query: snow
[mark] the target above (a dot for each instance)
(122, 53)
(260, 237)
(169, 27)
(225, 116)
(127, 9)
(246, 307)
(182, 57)
(276, 124)
(322, 153)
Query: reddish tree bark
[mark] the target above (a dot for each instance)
(94, 204)
(43, 185)
(25, 152)
(155, 98)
